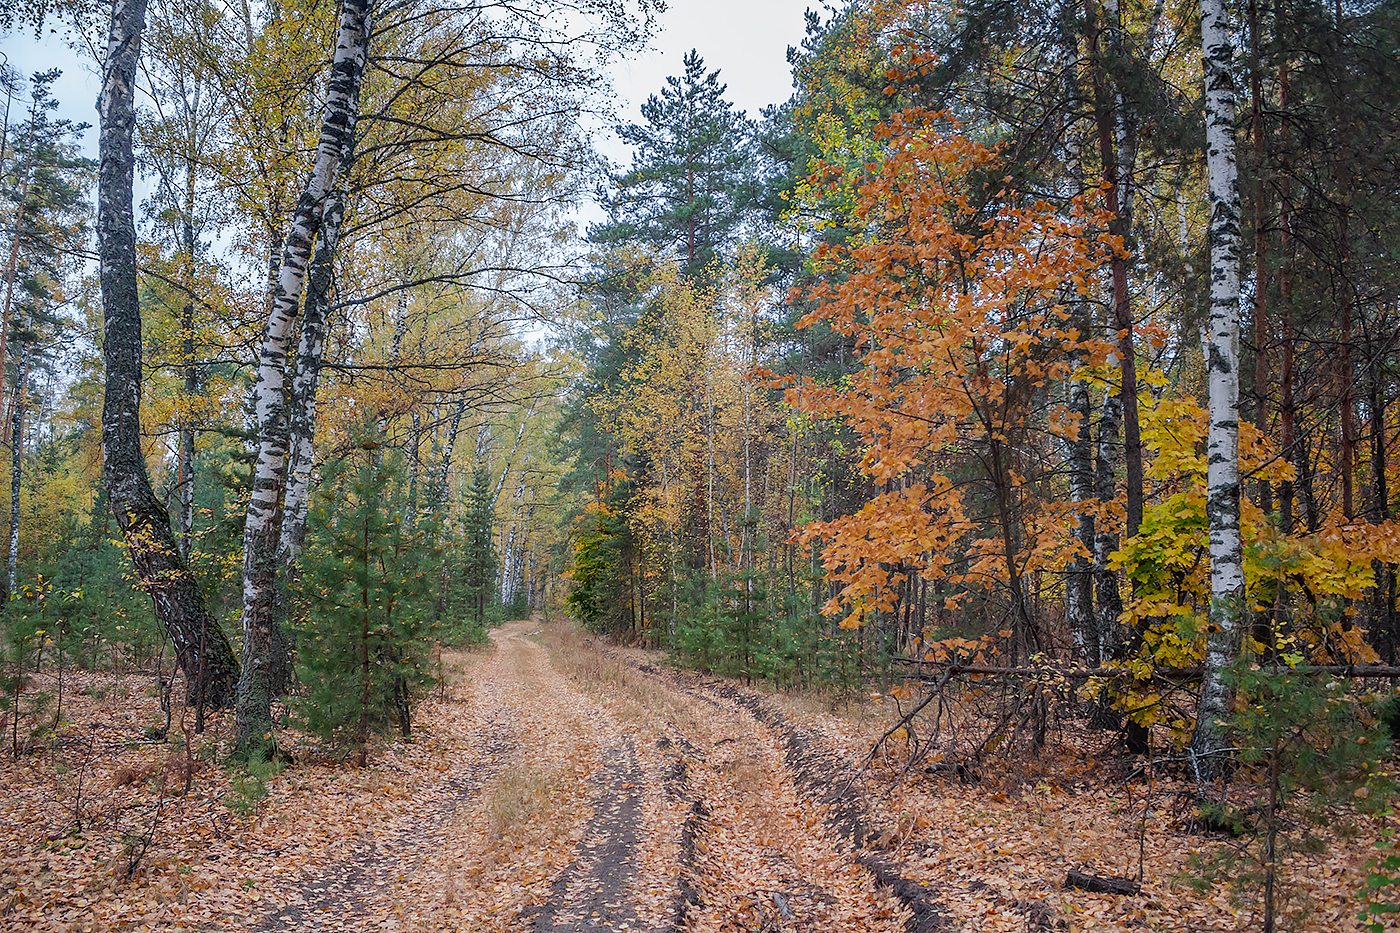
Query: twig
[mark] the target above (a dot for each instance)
(904, 721)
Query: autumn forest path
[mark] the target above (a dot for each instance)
(582, 789)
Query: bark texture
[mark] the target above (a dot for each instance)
(1209, 743)
(264, 651)
(203, 651)
(306, 379)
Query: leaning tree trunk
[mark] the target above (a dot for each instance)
(202, 649)
(306, 377)
(264, 652)
(1208, 744)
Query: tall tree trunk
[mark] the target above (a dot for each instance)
(17, 461)
(202, 648)
(1287, 412)
(1383, 635)
(26, 176)
(1261, 267)
(1107, 596)
(306, 378)
(185, 454)
(1116, 165)
(437, 495)
(1208, 744)
(264, 652)
(1080, 579)
(1345, 374)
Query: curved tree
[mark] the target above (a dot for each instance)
(204, 652)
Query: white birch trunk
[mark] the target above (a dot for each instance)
(1208, 744)
(264, 660)
(306, 377)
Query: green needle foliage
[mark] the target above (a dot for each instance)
(478, 557)
(1311, 749)
(364, 645)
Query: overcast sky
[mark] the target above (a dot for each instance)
(746, 39)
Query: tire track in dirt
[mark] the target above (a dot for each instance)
(753, 853)
(828, 780)
(825, 779)
(592, 894)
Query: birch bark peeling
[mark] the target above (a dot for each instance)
(203, 651)
(1208, 744)
(263, 651)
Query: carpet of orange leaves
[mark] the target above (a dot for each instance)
(488, 819)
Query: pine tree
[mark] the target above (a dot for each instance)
(691, 179)
(363, 645)
(478, 569)
(47, 185)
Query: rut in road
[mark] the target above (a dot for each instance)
(824, 780)
(754, 852)
(586, 793)
(596, 892)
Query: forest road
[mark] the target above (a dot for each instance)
(590, 791)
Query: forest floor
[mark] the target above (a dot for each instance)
(555, 783)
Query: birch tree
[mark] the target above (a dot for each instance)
(264, 652)
(1208, 744)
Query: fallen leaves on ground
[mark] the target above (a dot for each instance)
(557, 783)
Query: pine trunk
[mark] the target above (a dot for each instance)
(1287, 412)
(16, 463)
(1116, 156)
(1209, 743)
(265, 664)
(204, 653)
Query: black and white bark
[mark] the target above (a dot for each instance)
(1108, 599)
(306, 379)
(1209, 743)
(437, 493)
(1080, 581)
(264, 651)
(202, 649)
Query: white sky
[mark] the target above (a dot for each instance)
(746, 40)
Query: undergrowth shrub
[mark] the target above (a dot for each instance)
(366, 629)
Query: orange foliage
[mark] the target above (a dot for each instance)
(954, 295)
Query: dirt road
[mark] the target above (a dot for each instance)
(588, 790)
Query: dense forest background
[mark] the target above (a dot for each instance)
(1022, 341)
